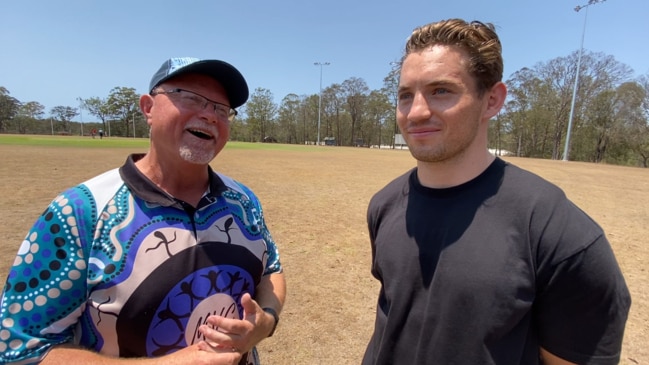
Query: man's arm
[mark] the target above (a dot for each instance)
(197, 354)
(271, 292)
(547, 358)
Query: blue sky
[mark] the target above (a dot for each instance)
(54, 52)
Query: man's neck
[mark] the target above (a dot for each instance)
(182, 180)
(454, 172)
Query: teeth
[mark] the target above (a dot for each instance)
(200, 134)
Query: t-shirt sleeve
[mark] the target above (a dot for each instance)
(46, 286)
(582, 306)
(273, 264)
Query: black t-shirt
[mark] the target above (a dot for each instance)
(489, 271)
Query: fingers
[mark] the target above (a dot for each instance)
(206, 346)
(217, 331)
(250, 307)
(238, 333)
(203, 353)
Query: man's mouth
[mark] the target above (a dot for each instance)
(200, 134)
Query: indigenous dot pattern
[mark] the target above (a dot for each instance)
(39, 289)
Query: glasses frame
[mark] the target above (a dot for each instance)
(215, 104)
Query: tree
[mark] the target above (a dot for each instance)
(64, 114)
(379, 119)
(28, 114)
(540, 98)
(32, 109)
(289, 114)
(355, 93)
(334, 115)
(261, 112)
(390, 89)
(99, 108)
(123, 104)
(8, 108)
(599, 127)
(600, 73)
(634, 112)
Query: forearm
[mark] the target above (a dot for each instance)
(196, 354)
(271, 292)
(548, 358)
(63, 354)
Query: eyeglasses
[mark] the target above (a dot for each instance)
(192, 100)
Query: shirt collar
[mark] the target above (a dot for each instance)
(145, 189)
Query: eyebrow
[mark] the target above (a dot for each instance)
(436, 83)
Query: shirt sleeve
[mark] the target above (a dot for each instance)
(45, 290)
(582, 306)
(273, 264)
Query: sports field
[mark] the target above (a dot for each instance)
(315, 200)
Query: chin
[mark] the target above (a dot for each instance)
(197, 157)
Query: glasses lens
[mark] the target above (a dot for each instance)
(192, 101)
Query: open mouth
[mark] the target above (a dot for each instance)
(200, 134)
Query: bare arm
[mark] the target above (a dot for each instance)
(548, 358)
(271, 292)
(200, 353)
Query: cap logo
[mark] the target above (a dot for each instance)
(180, 62)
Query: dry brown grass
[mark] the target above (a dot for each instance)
(315, 204)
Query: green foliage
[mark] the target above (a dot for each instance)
(123, 104)
(9, 107)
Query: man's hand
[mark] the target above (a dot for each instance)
(243, 334)
(202, 354)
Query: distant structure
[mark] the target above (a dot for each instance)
(330, 141)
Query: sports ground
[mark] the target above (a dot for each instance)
(314, 201)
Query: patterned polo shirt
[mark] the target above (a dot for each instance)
(119, 266)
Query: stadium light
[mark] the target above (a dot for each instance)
(566, 148)
(320, 100)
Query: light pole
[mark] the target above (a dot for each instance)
(81, 114)
(394, 80)
(320, 101)
(566, 148)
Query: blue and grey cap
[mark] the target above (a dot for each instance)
(233, 82)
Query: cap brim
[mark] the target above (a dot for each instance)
(227, 75)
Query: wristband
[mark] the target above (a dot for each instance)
(273, 313)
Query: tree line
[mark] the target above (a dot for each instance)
(609, 115)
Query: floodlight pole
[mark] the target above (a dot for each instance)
(320, 99)
(133, 122)
(566, 148)
(81, 114)
(395, 74)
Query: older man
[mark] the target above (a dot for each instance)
(163, 258)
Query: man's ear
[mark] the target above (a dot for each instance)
(495, 99)
(146, 104)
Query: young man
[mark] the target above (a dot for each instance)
(481, 262)
(158, 259)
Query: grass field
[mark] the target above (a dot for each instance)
(315, 200)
